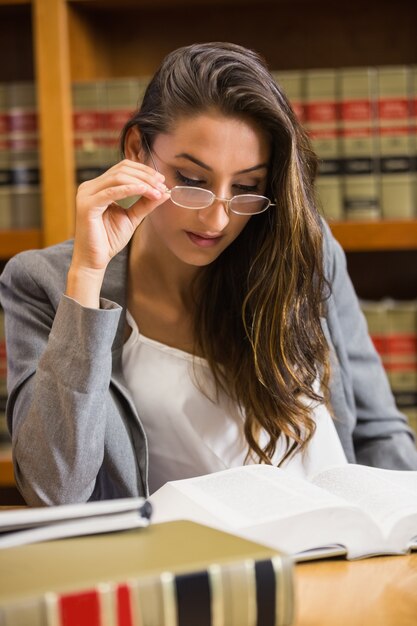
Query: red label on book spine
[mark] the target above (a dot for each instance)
(356, 110)
(80, 609)
(322, 111)
(393, 108)
(124, 607)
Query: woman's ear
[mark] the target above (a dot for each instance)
(133, 148)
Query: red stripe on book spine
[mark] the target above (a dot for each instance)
(355, 110)
(322, 111)
(124, 607)
(80, 609)
(394, 108)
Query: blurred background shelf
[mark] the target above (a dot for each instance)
(14, 241)
(381, 235)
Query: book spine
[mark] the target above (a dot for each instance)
(245, 593)
(322, 123)
(401, 360)
(24, 156)
(414, 129)
(87, 119)
(392, 326)
(293, 83)
(395, 142)
(377, 320)
(5, 171)
(5, 440)
(359, 143)
(123, 97)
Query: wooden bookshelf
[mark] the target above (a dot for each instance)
(14, 241)
(376, 236)
(6, 468)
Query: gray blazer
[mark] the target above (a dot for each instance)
(77, 435)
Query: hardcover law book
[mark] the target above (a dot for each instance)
(89, 105)
(5, 440)
(353, 510)
(359, 143)
(414, 125)
(322, 123)
(173, 574)
(5, 172)
(396, 142)
(123, 97)
(24, 155)
(293, 82)
(392, 325)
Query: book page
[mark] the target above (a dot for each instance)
(269, 505)
(386, 495)
(256, 493)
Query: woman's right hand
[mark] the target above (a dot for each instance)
(103, 228)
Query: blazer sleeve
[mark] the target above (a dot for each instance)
(381, 435)
(59, 367)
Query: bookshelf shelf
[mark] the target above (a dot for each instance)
(14, 241)
(6, 468)
(376, 236)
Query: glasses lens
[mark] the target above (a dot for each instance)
(248, 204)
(191, 197)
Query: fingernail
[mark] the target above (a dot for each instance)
(161, 187)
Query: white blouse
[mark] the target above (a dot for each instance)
(189, 431)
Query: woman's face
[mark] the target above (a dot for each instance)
(227, 155)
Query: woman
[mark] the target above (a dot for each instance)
(215, 314)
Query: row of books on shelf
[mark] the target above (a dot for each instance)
(100, 110)
(392, 325)
(363, 126)
(362, 122)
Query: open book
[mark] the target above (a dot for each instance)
(30, 525)
(351, 509)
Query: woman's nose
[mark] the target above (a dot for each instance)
(216, 216)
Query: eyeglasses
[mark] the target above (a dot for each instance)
(196, 198)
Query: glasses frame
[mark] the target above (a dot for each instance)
(226, 201)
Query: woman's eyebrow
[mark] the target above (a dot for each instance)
(185, 155)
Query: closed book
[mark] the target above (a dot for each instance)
(359, 143)
(172, 574)
(376, 315)
(5, 171)
(122, 96)
(401, 351)
(5, 439)
(24, 155)
(392, 325)
(396, 142)
(293, 84)
(88, 119)
(414, 126)
(3, 364)
(322, 123)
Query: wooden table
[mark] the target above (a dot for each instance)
(380, 591)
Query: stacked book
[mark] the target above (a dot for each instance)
(100, 110)
(5, 441)
(20, 203)
(174, 574)
(393, 327)
(363, 126)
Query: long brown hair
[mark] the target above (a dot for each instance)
(258, 305)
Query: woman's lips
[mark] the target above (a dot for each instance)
(203, 241)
